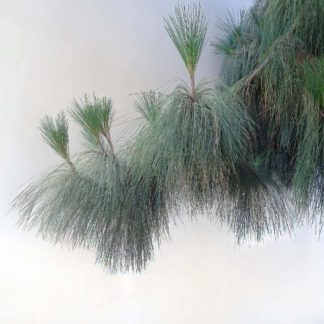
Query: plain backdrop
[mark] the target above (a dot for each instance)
(52, 51)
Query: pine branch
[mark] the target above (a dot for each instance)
(55, 134)
(187, 29)
(282, 40)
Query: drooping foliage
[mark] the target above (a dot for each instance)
(85, 202)
(236, 151)
(273, 58)
(197, 154)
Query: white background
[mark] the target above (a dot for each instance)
(53, 51)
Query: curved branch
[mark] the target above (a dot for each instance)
(247, 79)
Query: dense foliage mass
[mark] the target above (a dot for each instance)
(274, 58)
(238, 150)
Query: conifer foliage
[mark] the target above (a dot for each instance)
(273, 58)
(232, 150)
